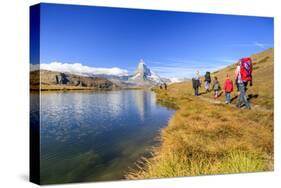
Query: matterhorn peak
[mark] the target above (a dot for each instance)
(142, 69)
(143, 75)
(141, 61)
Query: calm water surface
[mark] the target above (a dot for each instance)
(93, 136)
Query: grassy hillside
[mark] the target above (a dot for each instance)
(208, 137)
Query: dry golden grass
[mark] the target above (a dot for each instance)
(208, 138)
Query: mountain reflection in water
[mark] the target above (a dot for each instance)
(92, 136)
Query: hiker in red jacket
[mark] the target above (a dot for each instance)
(228, 88)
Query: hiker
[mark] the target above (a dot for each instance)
(243, 75)
(216, 87)
(196, 83)
(207, 81)
(160, 86)
(228, 88)
(165, 86)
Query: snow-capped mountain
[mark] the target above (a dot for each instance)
(144, 76)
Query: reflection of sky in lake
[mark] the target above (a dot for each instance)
(87, 136)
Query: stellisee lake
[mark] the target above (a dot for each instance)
(96, 136)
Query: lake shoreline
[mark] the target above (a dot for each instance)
(130, 118)
(204, 138)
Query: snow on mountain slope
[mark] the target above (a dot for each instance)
(144, 76)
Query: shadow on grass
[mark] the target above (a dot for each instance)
(233, 98)
(252, 96)
(220, 93)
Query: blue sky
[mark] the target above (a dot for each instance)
(172, 44)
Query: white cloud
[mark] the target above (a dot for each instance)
(175, 80)
(253, 44)
(79, 69)
(258, 44)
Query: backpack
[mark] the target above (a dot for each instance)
(208, 77)
(195, 83)
(246, 68)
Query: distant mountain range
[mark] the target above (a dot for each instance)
(142, 76)
(50, 79)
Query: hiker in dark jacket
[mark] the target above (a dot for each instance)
(207, 81)
(165, 86)
(216, 87)
(196, 83)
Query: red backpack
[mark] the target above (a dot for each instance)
(246, 68)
